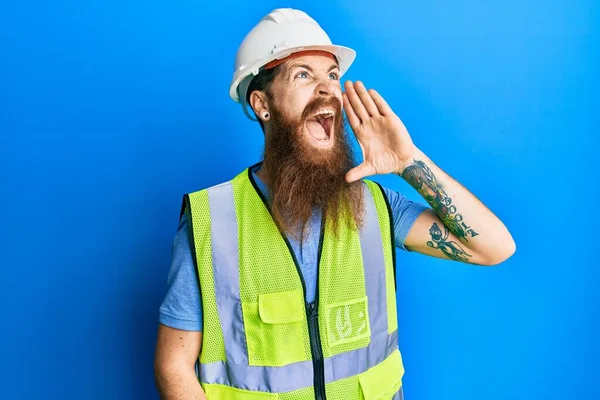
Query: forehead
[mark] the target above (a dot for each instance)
(314, 61)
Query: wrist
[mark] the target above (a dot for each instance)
(407, 160)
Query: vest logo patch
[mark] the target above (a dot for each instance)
(348, 321)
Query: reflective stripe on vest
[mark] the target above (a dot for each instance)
(297, 375)
(236, 371)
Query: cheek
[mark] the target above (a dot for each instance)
(337, 91)
(341, 100)
(298, 103)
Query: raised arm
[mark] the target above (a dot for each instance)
(459, 226)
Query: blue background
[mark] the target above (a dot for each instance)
(110, 111)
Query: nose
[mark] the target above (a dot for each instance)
(328, 87)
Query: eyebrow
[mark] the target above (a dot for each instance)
(306, 66)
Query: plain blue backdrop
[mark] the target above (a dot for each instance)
(111, 110)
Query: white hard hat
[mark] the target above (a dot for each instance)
(282, 32)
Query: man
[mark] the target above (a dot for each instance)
(282, 284)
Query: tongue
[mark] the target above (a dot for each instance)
(316, 130)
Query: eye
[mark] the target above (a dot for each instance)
(302, 74)
(334, 76)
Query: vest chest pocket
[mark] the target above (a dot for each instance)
(348, 322)
(275, 329)
(382, 381)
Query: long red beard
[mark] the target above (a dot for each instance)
(303, 179)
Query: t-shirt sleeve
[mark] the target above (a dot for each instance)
(181, 308)
(404, 214)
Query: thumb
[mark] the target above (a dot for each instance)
(359, 172)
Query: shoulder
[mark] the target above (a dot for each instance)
(206, 189)
(391, 196)
(403, 212)
(241, 175)
(198, 199)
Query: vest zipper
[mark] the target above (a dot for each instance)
(316, 350)
(312, 316)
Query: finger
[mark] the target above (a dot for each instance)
(359, 172)
(353, 119)
(381, 104)
(357, 105)
(366, 99)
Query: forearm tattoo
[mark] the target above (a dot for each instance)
(450, 248)
(422, 178)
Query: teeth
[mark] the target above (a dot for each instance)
(327, 112)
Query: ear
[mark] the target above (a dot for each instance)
(259, 102)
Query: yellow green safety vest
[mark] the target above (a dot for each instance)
(261, 339)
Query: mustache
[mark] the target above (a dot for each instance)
(321, 102)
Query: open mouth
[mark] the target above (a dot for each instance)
(320, 127)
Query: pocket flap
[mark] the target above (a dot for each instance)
(282, 307)
(383, 380)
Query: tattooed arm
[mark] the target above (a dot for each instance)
(458, 226)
